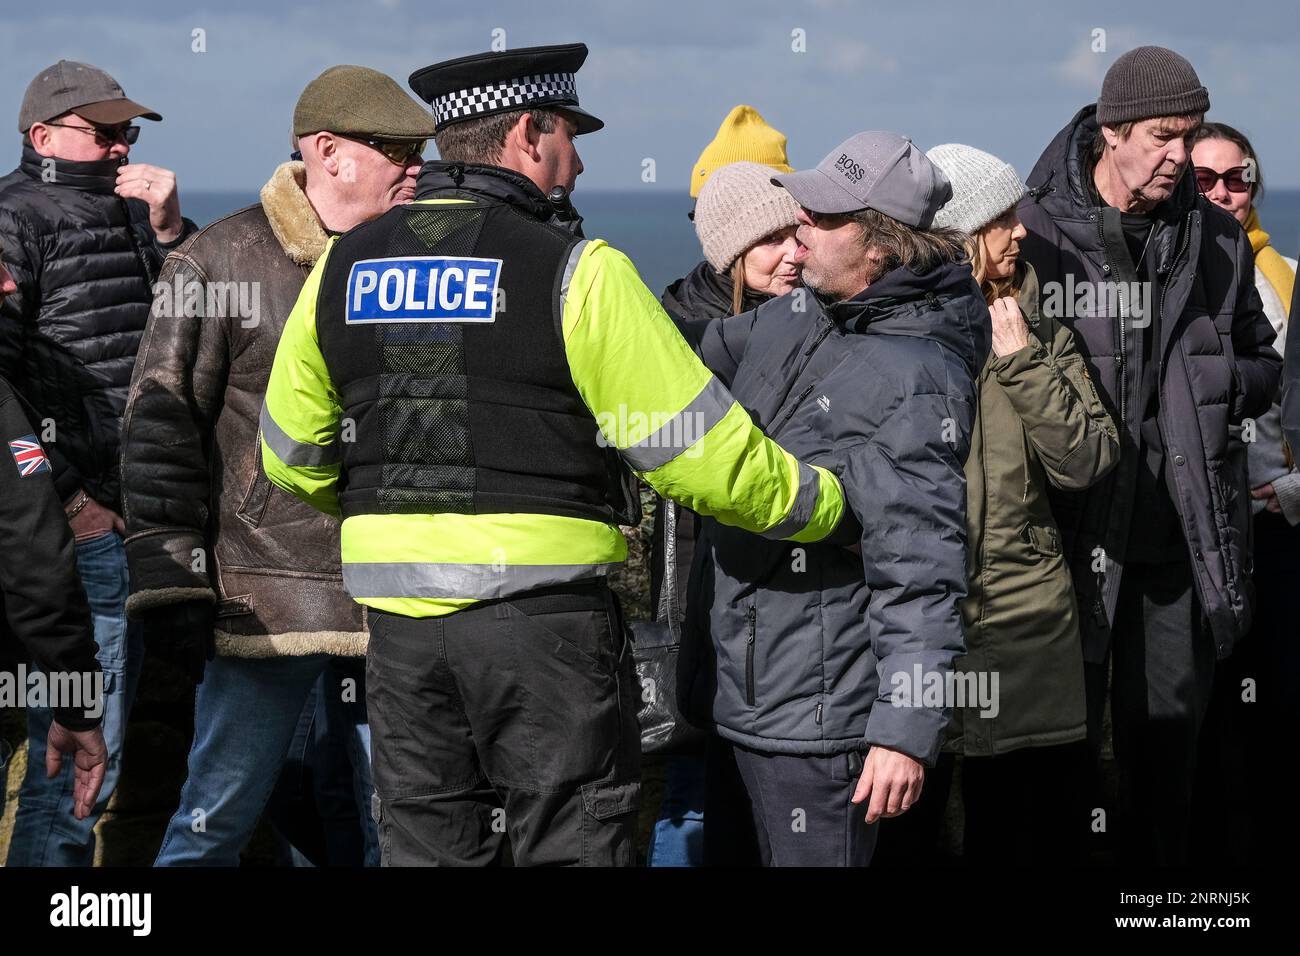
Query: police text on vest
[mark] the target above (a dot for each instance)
(423, 289)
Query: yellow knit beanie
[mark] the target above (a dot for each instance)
(744, 136)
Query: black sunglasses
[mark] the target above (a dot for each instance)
(401, 152)
(105, 136)
(1234, 179)
(827, 220)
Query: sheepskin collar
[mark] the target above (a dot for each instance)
(293, 220)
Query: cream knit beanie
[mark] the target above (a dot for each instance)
(983, 187)
(738, 206)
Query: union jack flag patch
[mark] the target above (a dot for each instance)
(29, 456)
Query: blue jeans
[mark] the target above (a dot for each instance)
(246, 712)
(45, 831)
(678, 837)
(342, 731)
(328, 769)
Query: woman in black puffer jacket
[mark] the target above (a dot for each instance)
(746, 226)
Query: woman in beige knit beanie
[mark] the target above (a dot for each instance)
(746, 226)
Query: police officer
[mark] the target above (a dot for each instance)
(468, 381)
(41, 599)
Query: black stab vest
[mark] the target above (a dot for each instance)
(458, 416)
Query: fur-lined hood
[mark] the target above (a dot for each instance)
(293, 220)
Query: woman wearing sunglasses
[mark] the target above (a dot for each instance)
(1243, 736)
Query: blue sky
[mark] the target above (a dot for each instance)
(1004, 76)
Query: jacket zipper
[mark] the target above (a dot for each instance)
(1187, 241)
(821, 337)
(1123, 339)
(135, 246)
(749, 662)
(1098, 606)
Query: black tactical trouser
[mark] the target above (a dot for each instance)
(515, 717)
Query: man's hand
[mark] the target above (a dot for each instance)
(1010, 333)
(90, 757)
(94, 520)
(157, 187)
(1266, 494)
(892, 780)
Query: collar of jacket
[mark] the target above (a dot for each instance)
(1060, 182)
(898, 289)
(943, 305)
(495, 183)
(293, 220)
(703, 293)
(99, 176)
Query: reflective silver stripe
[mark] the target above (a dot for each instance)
(295, 452)
(804, 502)
(681, 431)
(479, 582)
(569, 268)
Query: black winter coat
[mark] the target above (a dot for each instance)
(693, 301)
(85, 261)
(1216, 367)
(42, 602)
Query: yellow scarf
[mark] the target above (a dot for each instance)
(1270, 262)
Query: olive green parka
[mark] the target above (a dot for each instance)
(1039, 420)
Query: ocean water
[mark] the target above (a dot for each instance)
(652, 228)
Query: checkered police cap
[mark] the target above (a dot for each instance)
(511, 94)
(486, 83)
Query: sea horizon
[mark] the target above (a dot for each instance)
(650, 225)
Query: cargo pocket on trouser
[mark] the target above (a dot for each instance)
(382, 830)
(609, 816)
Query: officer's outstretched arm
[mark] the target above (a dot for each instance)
(300, 414)
(671, 419)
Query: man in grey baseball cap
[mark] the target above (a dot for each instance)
(873, 170)
(875, 181)
(85, 233)
(870, 371)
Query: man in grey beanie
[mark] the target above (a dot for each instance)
(1157, 285)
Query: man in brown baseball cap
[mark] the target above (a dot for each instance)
(360, 136)
(85, 233)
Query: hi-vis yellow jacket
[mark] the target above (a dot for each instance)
(631, 366)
